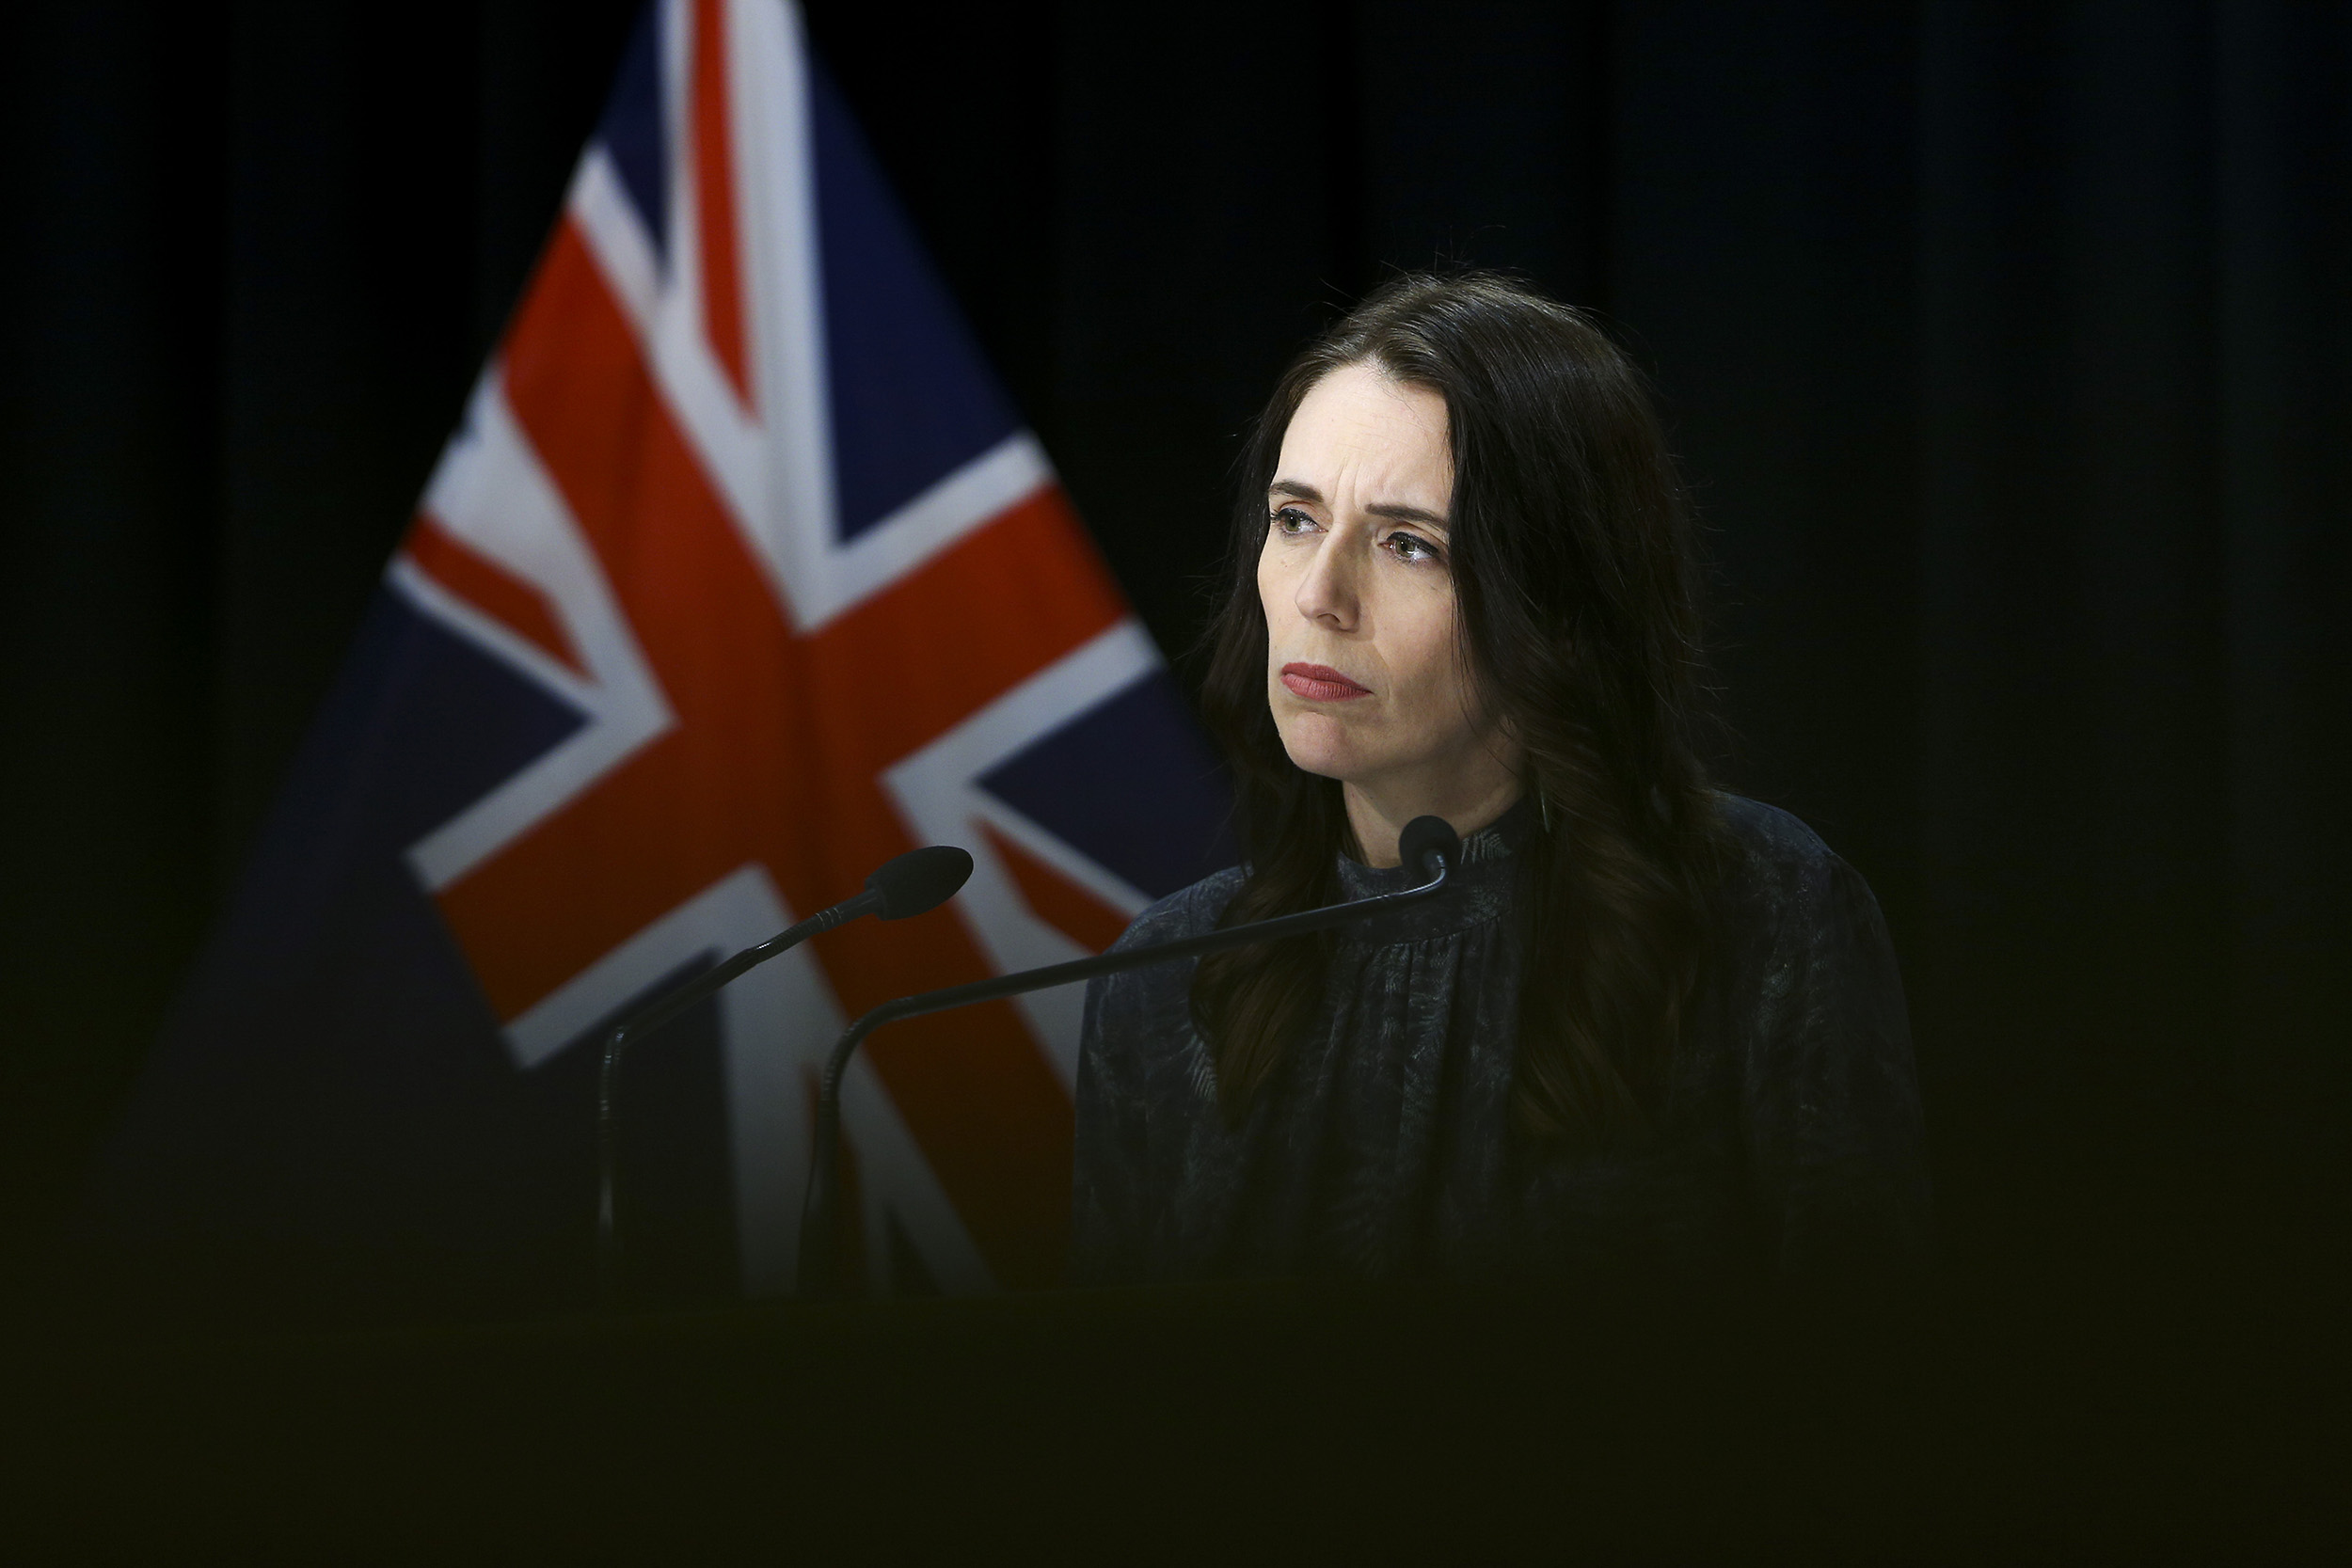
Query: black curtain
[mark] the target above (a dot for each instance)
(2005, 347)
(2131, 424)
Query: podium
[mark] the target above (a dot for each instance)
(1211, 1423)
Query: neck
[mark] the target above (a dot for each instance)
(1378, 815)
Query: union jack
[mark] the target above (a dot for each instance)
(740, 577)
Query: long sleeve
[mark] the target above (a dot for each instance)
(1109, 1159)
(1837, 1144)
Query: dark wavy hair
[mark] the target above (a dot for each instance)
(1576, 577)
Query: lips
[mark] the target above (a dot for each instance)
(1320, 683)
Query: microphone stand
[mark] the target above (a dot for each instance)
(820, 1207)
(708, 984)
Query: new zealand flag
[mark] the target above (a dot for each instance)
(740, 577)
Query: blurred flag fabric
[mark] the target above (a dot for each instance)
(741, 576)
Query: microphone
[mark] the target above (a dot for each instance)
(914, 883)
(1427, 846)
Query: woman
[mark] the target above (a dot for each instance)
(1654, 1033)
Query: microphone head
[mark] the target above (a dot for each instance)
(1427, 837)
(919, 880)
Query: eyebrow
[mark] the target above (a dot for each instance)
(1396, 511)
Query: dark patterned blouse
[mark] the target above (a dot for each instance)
(1791, 1150)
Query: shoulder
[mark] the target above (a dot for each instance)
(1138, 1021)
(1798, 922)
(1186, 913)
(1770, 845)
(1161, 987)
(1780, 869)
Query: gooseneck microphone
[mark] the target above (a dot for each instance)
(915, 883)
(1427, 846)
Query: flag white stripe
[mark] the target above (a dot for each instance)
(937, 792)
(491, 492)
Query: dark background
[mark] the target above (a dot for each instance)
(2007, 349)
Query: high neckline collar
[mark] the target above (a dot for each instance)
(1477, 892)
(1493, 845)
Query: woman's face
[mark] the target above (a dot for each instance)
(1363, 670)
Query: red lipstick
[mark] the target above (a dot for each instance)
(1320, 683)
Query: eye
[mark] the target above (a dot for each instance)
(1411, 548)
(1290, 519)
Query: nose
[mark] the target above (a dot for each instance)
(1327, 594)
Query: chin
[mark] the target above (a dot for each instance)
(1315, 745)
